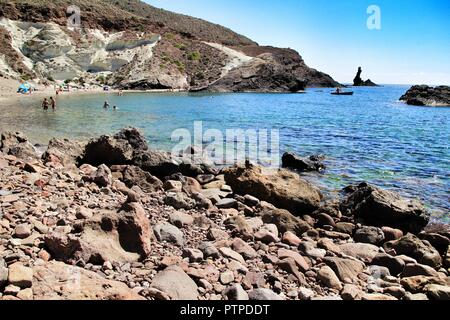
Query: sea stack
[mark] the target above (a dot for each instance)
(359, 82)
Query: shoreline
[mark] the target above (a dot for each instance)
(8, 91)
(204, 227)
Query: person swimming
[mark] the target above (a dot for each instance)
(106, 105)
(115, 108)
(45, 104)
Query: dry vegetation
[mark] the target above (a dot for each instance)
(121, 15)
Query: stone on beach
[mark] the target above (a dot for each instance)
(282, 188)
(327, 276)
(56, 280)
(420, 250)
(20, 275)
(169, 233)
(176, 283)
(381, 208)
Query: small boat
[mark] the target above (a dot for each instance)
(343, 93)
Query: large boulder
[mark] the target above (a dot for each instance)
(135, 176)
(63, 151)
(110, 236)
(114, 150)
(311, 163)
(381, 208)
(158, 163)
(345, 269)
(58, 281)
(415, 248)
(17, 144)
(285, 221)
(282, 188)
(427, 96)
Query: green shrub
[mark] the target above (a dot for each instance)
(194, 56)
(101, 79)
(180, 65)
(180, 46)
(25, 77)
(170, 36)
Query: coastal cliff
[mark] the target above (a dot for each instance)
(132, 45)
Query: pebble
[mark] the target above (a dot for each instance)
(227, 277)
(22, 231)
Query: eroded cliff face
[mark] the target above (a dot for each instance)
(145, 55)
(54, 52)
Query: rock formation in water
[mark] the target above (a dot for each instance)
(146, 226)
(427, 96)
(132, 45)
(359, 82)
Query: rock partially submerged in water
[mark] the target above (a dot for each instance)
(282, 188)
(359, 82)
(378, 207)
(311, 163)
(427, 96)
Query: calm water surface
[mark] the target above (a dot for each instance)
(366, 137)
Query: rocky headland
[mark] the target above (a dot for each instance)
(132, 45)
(359, 82)
(113, 219)
(427, 96)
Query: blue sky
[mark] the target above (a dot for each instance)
(413, 45)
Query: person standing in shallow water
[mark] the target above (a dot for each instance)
(45, 104)
(106, 105)
(53, 103)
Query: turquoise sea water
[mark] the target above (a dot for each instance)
(366, 137)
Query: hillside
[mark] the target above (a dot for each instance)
(130, 44)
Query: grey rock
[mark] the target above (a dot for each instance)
(394, 264)
(372, 235)
(176, 283)
(235, 292)
(209, 250)
(169, 233)
(226, 203)
(381, 208)
(420, 250)
(263, 295)
(179, 200)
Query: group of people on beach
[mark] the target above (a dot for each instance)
(46, 103)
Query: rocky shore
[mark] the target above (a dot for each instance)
(113, 219)
(427, 96)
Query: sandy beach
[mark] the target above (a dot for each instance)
(8, 91)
